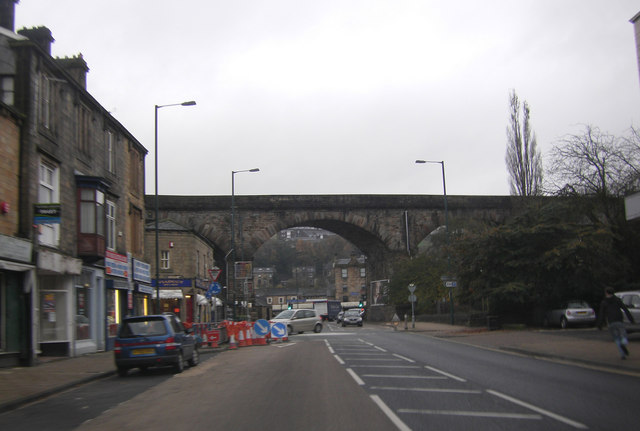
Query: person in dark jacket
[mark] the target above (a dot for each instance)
(611, 309)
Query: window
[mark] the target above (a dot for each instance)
(92, 211)
(345, 274)
(363, 272)
(7, 90)
(83, 132)
(344, 288)
(45, 101)
(110, 148)
(269, 300)
(164, 260)
(111, 226)
(48, 193)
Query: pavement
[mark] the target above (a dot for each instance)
(582, 347)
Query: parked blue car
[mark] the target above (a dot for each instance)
(155, 340)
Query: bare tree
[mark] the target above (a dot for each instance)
(523, 158)
(593, 163)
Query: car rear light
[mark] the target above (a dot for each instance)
(117, 347)
(170, 344)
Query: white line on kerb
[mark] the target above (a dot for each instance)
(355, 377)
(539, 410)
(451, 376)
(390, 414)
(402, 357)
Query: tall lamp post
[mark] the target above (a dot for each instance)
(233, 231)
(189, 103)
(446, 225)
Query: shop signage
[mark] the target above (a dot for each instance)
(46, 213)
(116, 265)
(141, 271)
(173, 282)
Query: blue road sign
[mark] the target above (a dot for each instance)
(261, 327)
(215, 287)
(278, 330)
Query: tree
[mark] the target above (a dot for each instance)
(523, 158)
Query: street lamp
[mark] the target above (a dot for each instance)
(189, 103)
(233, 233)
(446, 225)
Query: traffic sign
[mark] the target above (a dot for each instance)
(278, 330)
(412, 288)
(215, 288)
(214, 273)
(451, 284)
(261, 327)
(412, 298)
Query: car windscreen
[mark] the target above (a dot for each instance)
(352, 313)
(143, 328)
(286, 314)
(577, 304)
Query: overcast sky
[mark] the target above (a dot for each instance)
(341, 97)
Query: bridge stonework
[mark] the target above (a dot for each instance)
(383, 227)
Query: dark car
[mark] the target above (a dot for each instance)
(352, 317)
(155, 340)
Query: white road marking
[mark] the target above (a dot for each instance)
(451, 376)
(498, 415)
(402, 357)
(379, 348)
(339, 359)
(390, 414)
(539, 410)
(399, 376)
(438, 390)
(355, 377)
(386, 366)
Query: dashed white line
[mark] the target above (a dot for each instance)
(390, 414)
(437, 390)
(355, 377)
(403, 358)
(498, 415)
(400, 376)
(339, 359)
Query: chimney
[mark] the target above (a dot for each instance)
(41, 36)
(76, 67)
(7, 14)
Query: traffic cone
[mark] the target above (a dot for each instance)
(232, 341)
(248, 334)
(241, 340)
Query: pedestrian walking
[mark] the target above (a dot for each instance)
(611, 309)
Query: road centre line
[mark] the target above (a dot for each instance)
(539, 410)
(451, 376)
(498, 415)
(438, 390)
(404, 358)
(390, 414)
(355, 377)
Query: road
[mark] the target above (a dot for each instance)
(348, 378)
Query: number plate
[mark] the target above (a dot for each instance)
(143, 352)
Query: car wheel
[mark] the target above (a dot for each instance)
(563, 323)
(195, 358)
(123, 371)
(318, 328)
(290, 329)
(179, 366)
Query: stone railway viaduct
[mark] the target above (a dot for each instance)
(383, 227)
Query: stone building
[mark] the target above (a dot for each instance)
(82, 187)
(185, 261)
(351, 280)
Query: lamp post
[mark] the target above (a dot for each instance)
(189, 103)
(446, 225)
(233, 233)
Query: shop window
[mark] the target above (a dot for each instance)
(55, 315)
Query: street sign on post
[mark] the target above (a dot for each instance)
(214, 273)
(412, 300)
(412, 288)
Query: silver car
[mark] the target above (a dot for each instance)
(298, 321)
(574, 312)
(632, 300)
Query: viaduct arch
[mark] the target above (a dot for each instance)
(383, 227)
